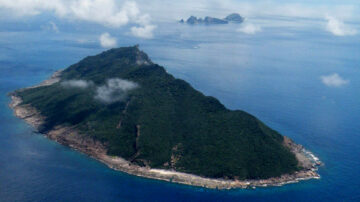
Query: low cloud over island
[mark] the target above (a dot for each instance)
(76, 84)
(113, 90)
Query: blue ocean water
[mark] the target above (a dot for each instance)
(274, 74)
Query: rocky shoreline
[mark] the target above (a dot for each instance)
(71, 137)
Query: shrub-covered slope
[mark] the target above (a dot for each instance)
(151, 118)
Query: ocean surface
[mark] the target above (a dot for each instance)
(274, 74)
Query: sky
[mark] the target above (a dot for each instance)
(339, 17)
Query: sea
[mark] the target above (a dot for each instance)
(276, 74)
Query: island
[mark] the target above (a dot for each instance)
(232, 18)
(129, 113)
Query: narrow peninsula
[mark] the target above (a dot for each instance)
(129, 113)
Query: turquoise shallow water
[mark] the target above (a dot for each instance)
(274, 75)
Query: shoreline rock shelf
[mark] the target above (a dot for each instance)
(70, 137)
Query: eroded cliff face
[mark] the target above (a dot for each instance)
(70, 137)
(26, 112)
(63, 134)
(306, 159)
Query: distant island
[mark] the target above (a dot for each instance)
(129, 113)
(232, 18)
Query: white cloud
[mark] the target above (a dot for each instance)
(143, 31)
(334, 80)
(33, 7)
(114, 90)
(175, 10)
(249, 28)
(54, 27)
(118, 12)
(107, 41)
(51, 26)
(338, 28)
(105, 12)
(76, 84)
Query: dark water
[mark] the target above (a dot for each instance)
(274, 75)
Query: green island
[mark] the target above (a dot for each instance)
(120, 104)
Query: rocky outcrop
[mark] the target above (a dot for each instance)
(305, 158)
(235, 18)
(26, 112)
(207, 21)
(232, 18)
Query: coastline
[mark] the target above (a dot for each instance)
(71, 137)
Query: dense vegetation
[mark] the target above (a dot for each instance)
(164, 123)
